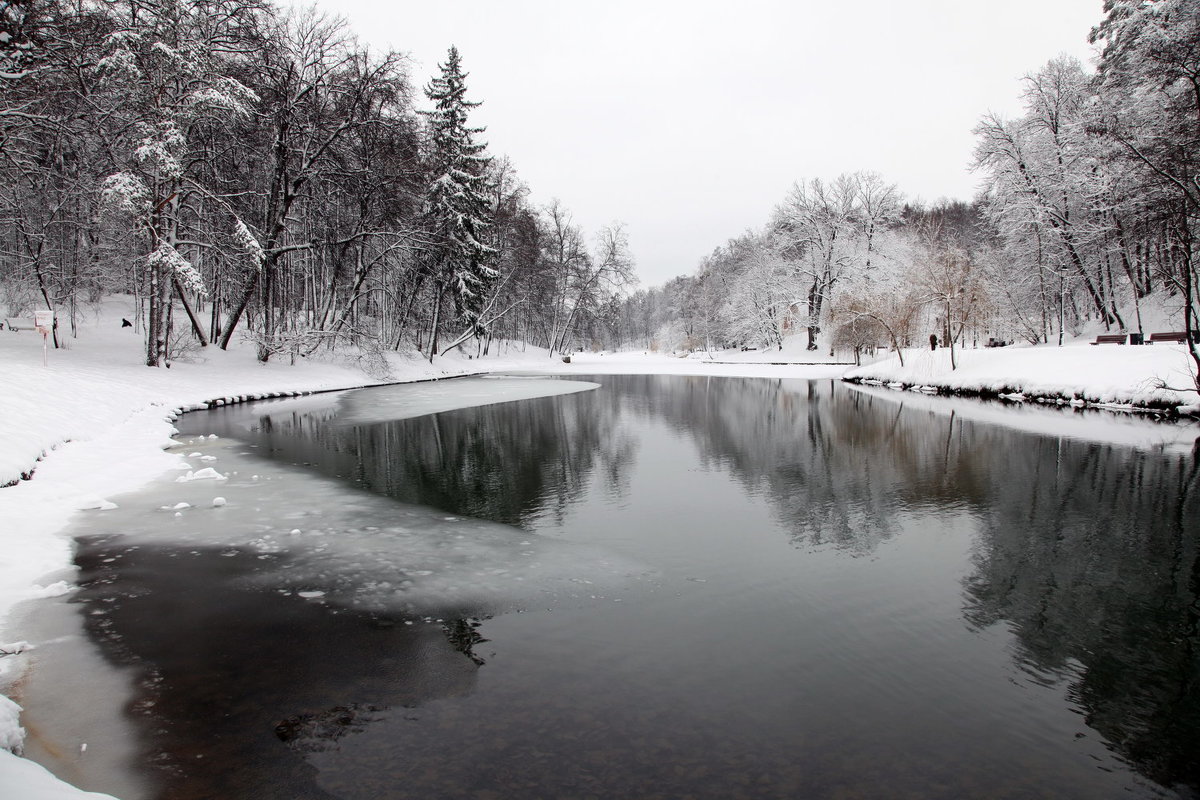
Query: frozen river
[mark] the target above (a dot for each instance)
(655, 587)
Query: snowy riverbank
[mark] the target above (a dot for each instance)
(1112, 376)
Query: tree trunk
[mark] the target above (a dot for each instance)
(438, 290)
(196, 327)
(238, 311)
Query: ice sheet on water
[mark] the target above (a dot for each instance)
(419, 561)
(403, 401)
(311, 534)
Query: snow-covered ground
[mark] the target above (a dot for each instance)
(93, 423)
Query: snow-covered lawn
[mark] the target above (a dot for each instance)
(93, 423)
(1119, 375)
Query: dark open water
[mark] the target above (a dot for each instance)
(667, 587)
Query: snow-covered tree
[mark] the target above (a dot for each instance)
(579, 284)
(1044, 183)
(1149, 111)
(163, 69)
(327, 143)
(457, 212)
(815, 232)
(948, 280)
(759, 306)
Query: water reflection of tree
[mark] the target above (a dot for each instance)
(836, 464)
(1092, 555)
(507, 462)
(1090, 552)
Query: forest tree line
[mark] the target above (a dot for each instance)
(1089, 212)
(244, 170)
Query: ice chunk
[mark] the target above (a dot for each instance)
(56, 589)
(206, 474)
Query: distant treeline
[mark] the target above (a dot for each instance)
(1090, 205)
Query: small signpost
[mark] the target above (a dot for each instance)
(43, 320)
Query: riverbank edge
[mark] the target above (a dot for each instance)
(1016, 395)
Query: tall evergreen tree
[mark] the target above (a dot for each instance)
(457, 212)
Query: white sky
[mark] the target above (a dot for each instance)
(689, 121)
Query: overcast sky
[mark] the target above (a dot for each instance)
(689, 121)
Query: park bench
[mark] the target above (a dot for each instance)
(1168, 336)
(1110, 338)
(18, 324)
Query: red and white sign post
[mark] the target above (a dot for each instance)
(44, 321)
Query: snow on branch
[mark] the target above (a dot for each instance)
(159, 148)
(228, 95)
(180, 267)
(125, 192)
(248, 243)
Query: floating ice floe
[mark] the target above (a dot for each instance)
(206, 474)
